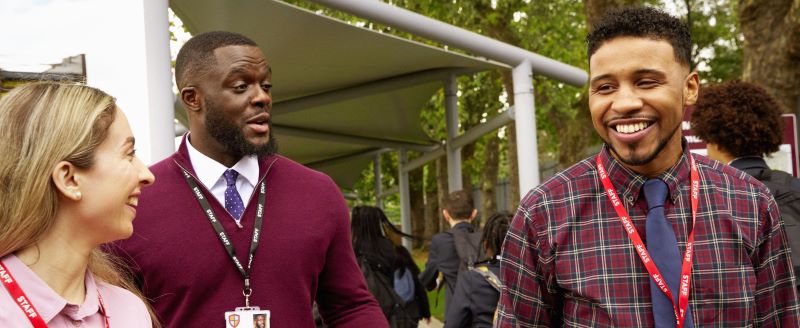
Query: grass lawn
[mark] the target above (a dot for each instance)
(435, 298)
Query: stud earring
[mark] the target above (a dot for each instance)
(77, 194)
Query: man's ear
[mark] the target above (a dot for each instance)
(691, 88)
(190, 98)
(446, 215)
(474, 213)
(66, 180)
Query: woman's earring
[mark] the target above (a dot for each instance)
(77, 194)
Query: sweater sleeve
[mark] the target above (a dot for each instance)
(342, 296)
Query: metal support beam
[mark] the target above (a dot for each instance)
(525, 115)
(473, 134)
(389, 84)
(344, 138)
(390, 191)
(454, 182)
(425, 158)
(430, 28)
(494, 123)
(376, 169)
(405, 198)
(345, 158)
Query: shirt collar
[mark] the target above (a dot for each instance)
(209, 171)
(46, 301)
(629, 183)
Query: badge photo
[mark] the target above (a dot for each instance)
(247, 318)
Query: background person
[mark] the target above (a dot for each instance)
(597, 244)
(377, 256)
(286, 224)
(458, 211)
(478, 290)
(70, 182)
(416, 297)
(741, 123)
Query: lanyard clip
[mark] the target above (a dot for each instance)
(247, 291)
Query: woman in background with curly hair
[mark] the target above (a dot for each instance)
(69, 182)
(742, 123)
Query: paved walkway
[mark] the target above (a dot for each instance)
(434, 324)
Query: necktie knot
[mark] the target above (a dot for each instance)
(230, 177)
(655, 192)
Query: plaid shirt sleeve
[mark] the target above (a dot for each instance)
(529, 297)
(775, 293)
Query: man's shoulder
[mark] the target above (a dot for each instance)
(296, 172)
(577, 179)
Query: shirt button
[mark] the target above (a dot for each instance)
(77, 323)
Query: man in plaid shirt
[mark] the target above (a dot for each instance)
(568, 259)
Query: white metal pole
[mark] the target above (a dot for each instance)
(455, 36)
(525, 112)
(454, 182)
(159, 80)
(405, 198)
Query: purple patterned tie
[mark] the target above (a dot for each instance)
(233, 202)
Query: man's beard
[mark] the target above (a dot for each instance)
(638, 161)
(231, 137)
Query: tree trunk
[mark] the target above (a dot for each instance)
(441, 190)
(511, 152)
(771, 48)
(491, 163)
(417, 197)
(432, 218)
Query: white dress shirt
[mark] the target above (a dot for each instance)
(210, 173)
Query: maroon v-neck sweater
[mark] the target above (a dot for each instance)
(305, 252)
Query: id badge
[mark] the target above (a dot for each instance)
(247, 317)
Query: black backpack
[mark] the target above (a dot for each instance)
(785, 189)
(468, 247)
(382, 287)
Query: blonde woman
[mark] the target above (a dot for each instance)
(69, 182)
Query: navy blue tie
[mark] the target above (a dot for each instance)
(663, 248)
(233, 202)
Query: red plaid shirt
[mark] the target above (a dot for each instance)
(567, 260)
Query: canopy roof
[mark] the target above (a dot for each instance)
(341, 92)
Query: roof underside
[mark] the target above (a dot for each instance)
(340, 91)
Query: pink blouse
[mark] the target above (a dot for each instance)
(122, 307)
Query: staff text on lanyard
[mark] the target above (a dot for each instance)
(686, 268)
(223, 237)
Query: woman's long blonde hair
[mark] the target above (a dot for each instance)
(42, 124)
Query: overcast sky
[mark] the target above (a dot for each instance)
(42, 32)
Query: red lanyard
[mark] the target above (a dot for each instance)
(24, 302)
(686, 268)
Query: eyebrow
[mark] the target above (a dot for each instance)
(638, 72)
(129, 141)
(239, 70)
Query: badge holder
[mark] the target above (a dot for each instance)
(247, 317)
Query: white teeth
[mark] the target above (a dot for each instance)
(132, 202)
(631, 128)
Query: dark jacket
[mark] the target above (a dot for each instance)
(786, 190)
(443, 258)
(474, 300)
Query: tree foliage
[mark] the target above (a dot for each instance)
(554, 29)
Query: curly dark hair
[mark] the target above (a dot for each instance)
(739, 117)
(642, 22)
(494, 232)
